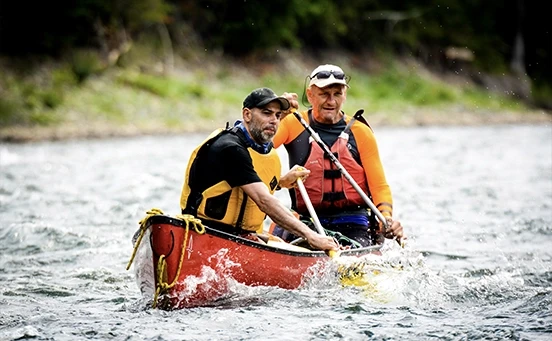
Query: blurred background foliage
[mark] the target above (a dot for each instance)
(494, 43)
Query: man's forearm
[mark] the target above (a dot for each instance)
(284, 218)
(281, 215)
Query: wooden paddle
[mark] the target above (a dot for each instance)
(350, 274)
(313, 214)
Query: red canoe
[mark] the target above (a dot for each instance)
(189, 264)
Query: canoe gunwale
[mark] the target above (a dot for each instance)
(164, 219)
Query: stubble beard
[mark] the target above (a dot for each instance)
(328, 117)
(259, 135)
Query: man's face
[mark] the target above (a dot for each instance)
(262, 123)
(327, 102)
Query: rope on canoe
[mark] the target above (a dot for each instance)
(162, 284)
(150, 213)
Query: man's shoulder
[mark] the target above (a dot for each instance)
(229, 141)
(288, 121)
(362, 125)
(363, 134)
(290, 127)
(231, 136)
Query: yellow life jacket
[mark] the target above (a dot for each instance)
(226, 205)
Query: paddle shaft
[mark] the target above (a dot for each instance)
(312, 212)
(342, 169)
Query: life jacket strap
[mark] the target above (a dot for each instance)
(333, 196)
(332, 173)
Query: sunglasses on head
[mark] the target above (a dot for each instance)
(327, 74)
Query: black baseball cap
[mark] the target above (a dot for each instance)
(258, 98)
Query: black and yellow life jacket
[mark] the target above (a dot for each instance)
(222, 204)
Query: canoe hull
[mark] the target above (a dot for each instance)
(192, 269)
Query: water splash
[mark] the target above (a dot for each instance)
(396, 276)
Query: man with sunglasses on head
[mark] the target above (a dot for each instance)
(231, 177)
(339, 206)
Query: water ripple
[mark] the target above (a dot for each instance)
(475, 202)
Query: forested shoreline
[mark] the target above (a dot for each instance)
(164, 52)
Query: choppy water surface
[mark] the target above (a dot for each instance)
(475, 201)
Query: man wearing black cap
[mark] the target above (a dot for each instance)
(231, 177)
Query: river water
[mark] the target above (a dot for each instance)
(476, 203)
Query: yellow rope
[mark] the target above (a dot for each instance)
(188, 218)
(152, 212)
(162, 284)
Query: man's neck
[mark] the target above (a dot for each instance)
(259, 147)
